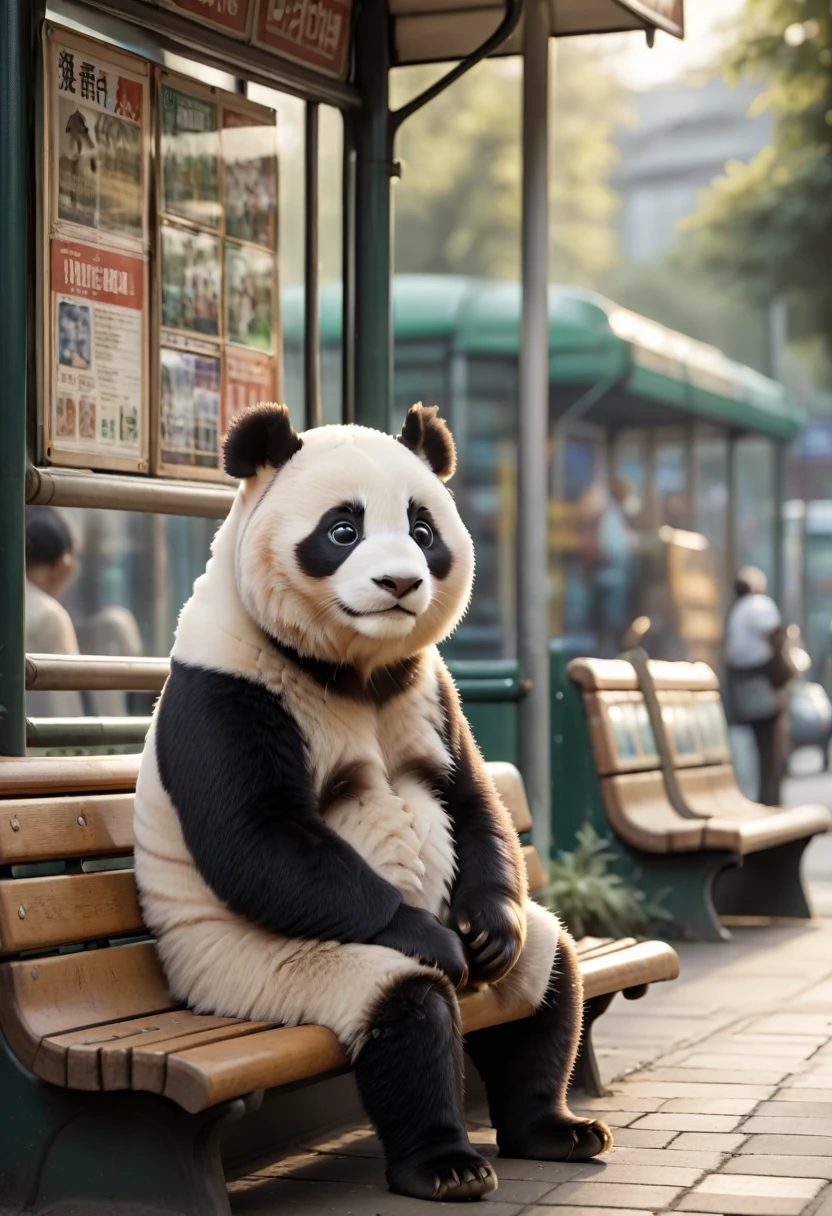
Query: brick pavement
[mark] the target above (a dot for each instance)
(721, 1098)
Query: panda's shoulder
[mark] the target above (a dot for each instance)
(204, 700)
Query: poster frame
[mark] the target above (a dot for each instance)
(181, 340)
(54, 451)
(174, 7)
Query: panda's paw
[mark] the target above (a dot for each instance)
(554, 1138)
(448, 1177)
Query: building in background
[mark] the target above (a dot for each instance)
(685, 135)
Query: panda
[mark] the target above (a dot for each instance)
(317, 839)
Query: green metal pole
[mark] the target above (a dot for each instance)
(16, 81)
(373, 221)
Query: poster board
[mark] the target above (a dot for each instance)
(215, 272)
(95, 255)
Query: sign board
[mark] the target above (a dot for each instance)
(230, 16)
(96, 386)
(315, 33)
(215, 271)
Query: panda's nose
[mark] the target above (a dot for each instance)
(398, 586)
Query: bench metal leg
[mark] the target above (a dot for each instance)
(683, 883)
(586, 1076)
(767, 883)
(96, 1153)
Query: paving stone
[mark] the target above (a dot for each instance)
(795, 1023)
(803, 1095)
(629, 1172)
(631, 1137)
(809, 1080)
(717, 1142)
(796, 1110)
(618, 1102)
(550, 1172)
(786, 1127)
(668, 1156)
(584, 1211)
(782, 1166)
(674, 1122)
(710, 1106)
(809, 1146)
(737, 1062)
(698, 1089)
(718, 1076)
(643, 1198)
(751, 1195)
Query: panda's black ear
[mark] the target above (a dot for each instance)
(426, 434)
(259, 436)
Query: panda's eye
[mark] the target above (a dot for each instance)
(343, 533)
(422, 533)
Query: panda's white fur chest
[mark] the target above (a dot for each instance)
(389, 815)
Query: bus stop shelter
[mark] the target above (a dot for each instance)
(324, 54)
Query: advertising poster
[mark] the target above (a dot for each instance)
(99, 116)
(231, 16)
(190, 409)
(190, 157)
(249, 379)
(249, 152)
(98, 352)
(190, 273)
(312, 32)
(249, 296)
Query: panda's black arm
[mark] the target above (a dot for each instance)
(490, 885)
(233, 763)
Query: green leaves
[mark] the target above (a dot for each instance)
(594, 901)
(770, 221)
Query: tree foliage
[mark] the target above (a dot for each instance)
(770, 221)
(459, 201)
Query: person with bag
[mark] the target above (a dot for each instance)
(757, 671)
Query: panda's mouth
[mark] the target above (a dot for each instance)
(376, 612)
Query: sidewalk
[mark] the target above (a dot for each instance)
(725, 1105)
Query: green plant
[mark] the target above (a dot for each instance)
(592, 900)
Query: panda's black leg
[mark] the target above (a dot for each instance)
(409, 1076)
(526, 1066)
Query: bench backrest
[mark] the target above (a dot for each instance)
(627, 758)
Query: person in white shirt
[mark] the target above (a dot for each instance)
(753, 639)
(50, 566)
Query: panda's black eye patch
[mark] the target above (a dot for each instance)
(332, 540)
(427, 536)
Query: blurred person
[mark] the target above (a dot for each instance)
(757, 673)
(51, 565)
(612, 575)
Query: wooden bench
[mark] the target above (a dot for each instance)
(86, 1016)
(668, 787)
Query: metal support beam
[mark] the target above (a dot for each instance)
(779, 496)
(16, 76)
(373, 219)
(533, 424)
(348, 278)
(312, 322)
(71, 488)
(731, 516)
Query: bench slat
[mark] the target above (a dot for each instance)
(67, 774)
(38, 913)
(149, 1061)
(643, 963)
(50, 996)
(82, 826)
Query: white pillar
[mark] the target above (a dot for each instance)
(533, 422)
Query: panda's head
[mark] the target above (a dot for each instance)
(349, 546)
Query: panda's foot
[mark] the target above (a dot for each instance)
(554, 1138)
(449, 1176)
